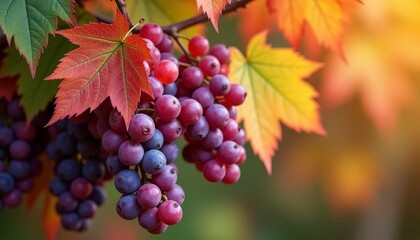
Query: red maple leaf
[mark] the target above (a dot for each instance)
(108, 63)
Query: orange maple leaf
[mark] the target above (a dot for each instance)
(213, 9)
(275, 92)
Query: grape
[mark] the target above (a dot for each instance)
(149, 195)
(7, 182)
(214, 171)
(170, 212)
(166, 179)
(114, 165)
(24, 131)
(236, 96)
(127, 181)
(155, 142)
(170, 150)
(166, 44)
(161, 228)
(58, 187)
(209, 65)
(153, 161)
(87, 209)
(98, 195)
(233, 173)
(170, 57)
(199, 130)
(217, 116)
(228, 152)
(176, 193)
(13, 198)
(93, 171)
(116, 121)
(149, 219)
(213, 139)
(242, 156)
(153, 32)
(219, 85)
(14, 110)
(127, 207)
(157, 87)
(65, 144)
(68, 169)
(67, 203)
(166, 71)
(71, 221)
(141, 127)
(201, 155)
(198, 46)
(111, 141)
(25, 185)
(20, 149)
(130, 153)
(221, 52)
(6, 136)
(191, 77)
(191, 111)
(170, 89)
(240, 137)
(19, 169)
(81, 188)
(204, 96)
(167, 108)
(170, 130)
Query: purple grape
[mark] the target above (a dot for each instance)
(204, 96)
(68, 169)
(114, 165)
(233, 173)
(236, 96)
(219, 85)
(176, 193)
(93, 171)
(191, 77)
(111, 141)
(65, 144)
(170, 57)
(81, 188)
(170, 212)
(167, 108)
(24, 131)
(7, 183)
(6, 136)
(170, 130)
(155, 142)
(149, 196)
(153, 32)
(166, 44)
(127, 181)
(157, 87)
(199, 130)
(166, 179)
(149, 219)
(71, 221)
(161, 228)
(240, 137)
(217, 116)
(127, 207)
(141, 127)
(87, 209)
(19, 149)
(214, 171)
(213, 139)
(98, 195)
(77, 130)
(58, 187)
(13, 198)
(191, 111)
(19, 169)
(130, 153)
(230, 131)
(209, 65)
(116, 121)
(170, 89)
(200, 154)
(221, 52)
(102, 125)
(170, 150)
(15, 111)
(25, 185)
(153, 161)
(66, 203)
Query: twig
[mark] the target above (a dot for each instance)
(122, 6)
(176, 27)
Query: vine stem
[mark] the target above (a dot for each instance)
(122, 6)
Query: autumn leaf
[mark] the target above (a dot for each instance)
(213, 9)
(276, 92)
(35, 93)
(50, 217)
(326, 19)
(108, 63)
(29, 22)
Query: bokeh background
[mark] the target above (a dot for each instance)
(360, 182)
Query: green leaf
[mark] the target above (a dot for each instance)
(36, 93)
(28, 22)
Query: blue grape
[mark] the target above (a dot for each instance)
(58, 187)
(68, 169)
(127, 207)
(7, 183)
(155, 142)
(71, 221)
(127, 181)
(87, 209)
(93, 171)
(153, 161)
(19, 169)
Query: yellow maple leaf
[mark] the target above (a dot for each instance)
(276, 92)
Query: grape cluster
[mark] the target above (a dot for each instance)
(192, 97)
(19, 164)
(79, 170)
